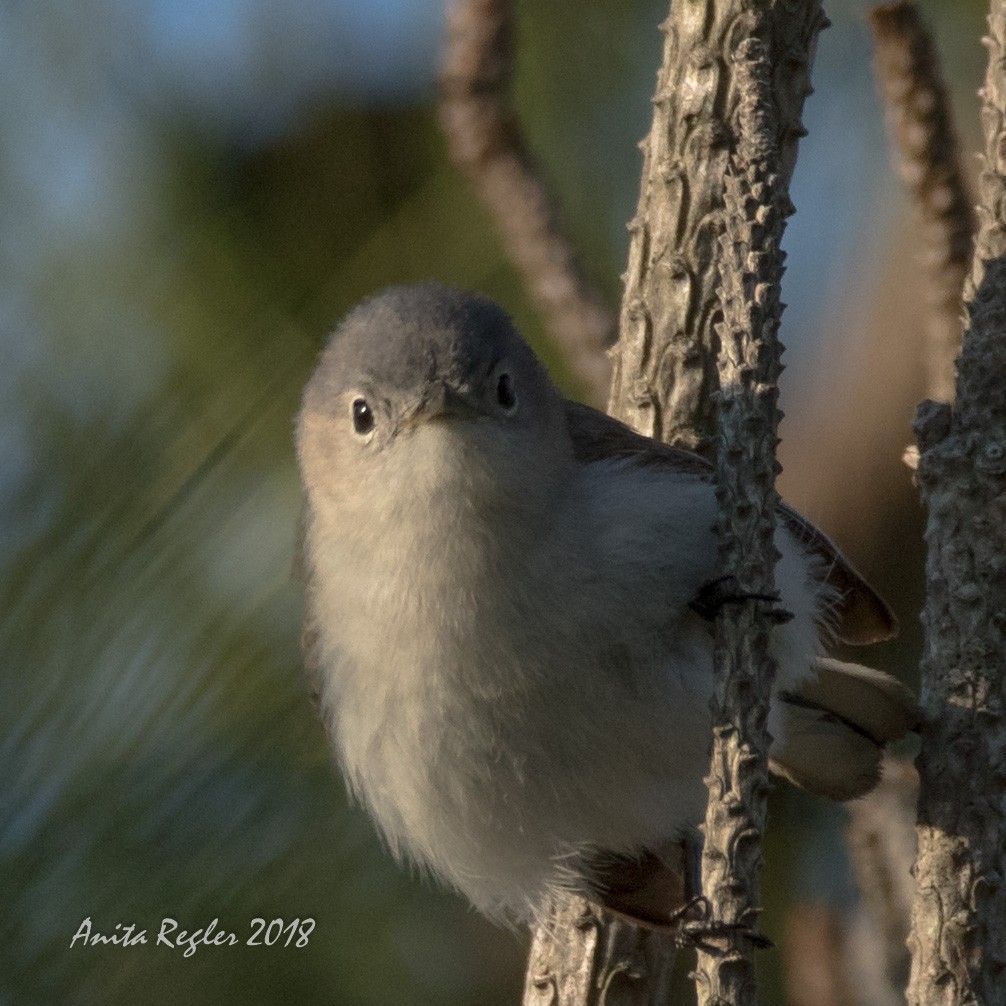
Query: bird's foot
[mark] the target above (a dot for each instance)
(696, 928)
(712, 597)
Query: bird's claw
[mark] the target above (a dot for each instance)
(712, 597)
(696, 927)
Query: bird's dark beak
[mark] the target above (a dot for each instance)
(456, 403)
(445, 402)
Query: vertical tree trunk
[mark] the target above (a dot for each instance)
(665, 360)
(665, 366)
(958, 938)
(927, 157)
(588, 957)
(749, 365)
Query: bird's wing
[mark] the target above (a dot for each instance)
(833, 732)
(598, 437)
(861, 615)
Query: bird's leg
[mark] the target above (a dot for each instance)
(694, 921)
(712, 596)
(697, 932)
(695, 906)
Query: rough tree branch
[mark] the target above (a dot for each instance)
(485, 140)
(749, 365)
(665, 360)
(928, 160)
(958, 937)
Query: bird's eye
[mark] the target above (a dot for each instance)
(505, 394)
(363, 416)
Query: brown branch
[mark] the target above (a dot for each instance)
(881, 842)
(862, 960)
(665, 369)
(749, 366)
(485, 141)
(928, 160)
(958, 935)
(585, 956)
(815, 958)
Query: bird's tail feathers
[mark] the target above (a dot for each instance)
(833, 729)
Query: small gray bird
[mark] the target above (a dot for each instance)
(502, 622)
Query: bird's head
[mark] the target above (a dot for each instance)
(426, 395)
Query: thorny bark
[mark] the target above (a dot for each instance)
(665, 360)
(586, 956)
(927, 156)
(881, 834)
(958, 937)
(665, 370)
(484, 138)
(749, 366)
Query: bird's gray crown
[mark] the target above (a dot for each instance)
(407, 337)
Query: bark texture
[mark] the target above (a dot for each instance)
(665, 360)
(928, 161)
(665, 373)
(958, 937)
(749, 365)
(485, 140)
(587, 956)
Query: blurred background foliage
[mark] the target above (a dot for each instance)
(191, 195)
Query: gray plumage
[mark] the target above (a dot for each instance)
(499, 624)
